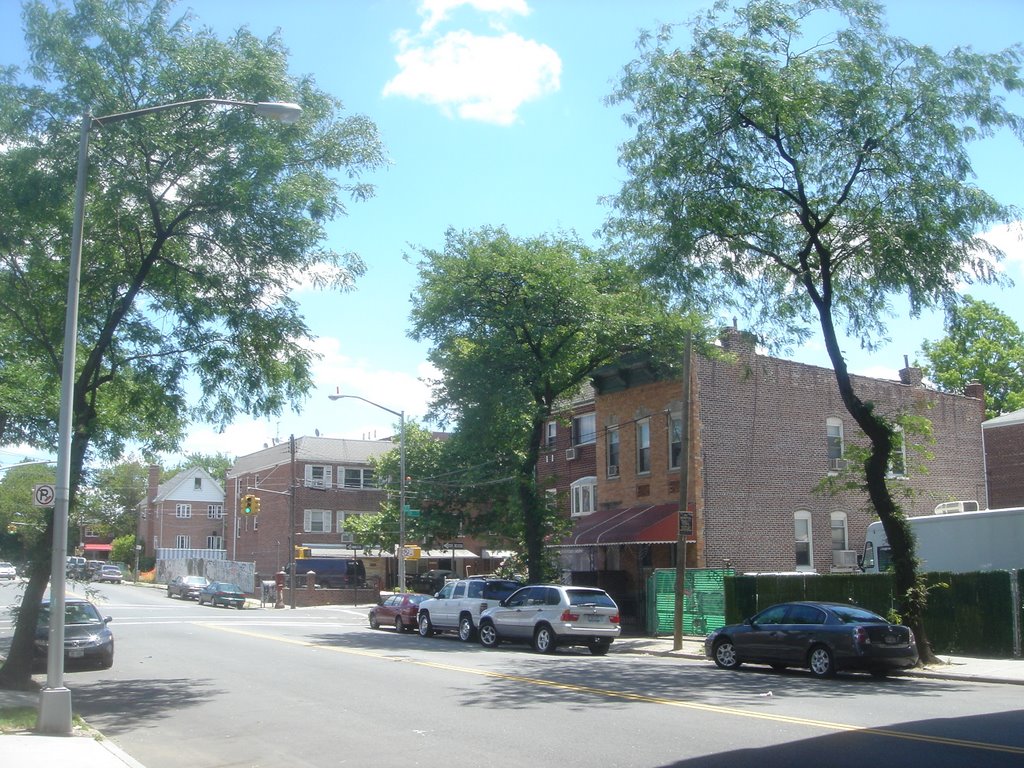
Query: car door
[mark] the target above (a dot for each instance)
(509, 618)
(762, 634)
(802, 626)
(444, 616)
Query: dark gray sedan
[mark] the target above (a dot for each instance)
(823, 637)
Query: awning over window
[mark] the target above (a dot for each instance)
(97, 547)
(642, 524)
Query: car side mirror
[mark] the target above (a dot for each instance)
(107, 619)
(749, 622)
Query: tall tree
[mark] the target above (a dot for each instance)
(807, 176)
(217, 465)
(516, 324)
(981, 344)
(198, 224)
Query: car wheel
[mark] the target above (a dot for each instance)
(169, 592)
(724, 654)
(488, 635)
(374, 624)
(599, 648)
(426, 628)
(466, 630)
(399, 625)
(820, 661)
(107, 661)
(544, 640)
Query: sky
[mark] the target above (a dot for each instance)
(493, 112)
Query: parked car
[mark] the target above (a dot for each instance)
(222, 593)
(109, 573)
(186, 587)
(75, 567)
(87, 638)
(823, 637)
(397, 610)
(550, 615)
(457, 607)
(7, 571)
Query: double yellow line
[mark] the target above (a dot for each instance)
(610, 694)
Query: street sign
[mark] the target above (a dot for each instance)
(43, 495)
(410, 553)
(410, 512)
(686, 523)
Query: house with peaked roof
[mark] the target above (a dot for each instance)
(185, 512)
(1004, 459)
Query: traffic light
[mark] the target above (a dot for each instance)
(247, 504)
(12, 528)
(255, 505)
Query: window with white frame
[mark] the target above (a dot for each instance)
(89, 533)
(584, 429)
(181, 541)
(804, 554)
(550, 434)
(584, 496)
(675, 440)
(359, 477)
(215, 511)
(215, 542)
(197, 483)
(612, 451)
(840, 538)
(898, 457)
(316, 521)
(318, 476)
(342, 519)
(183, 511)
(643, 445)
(834, 443)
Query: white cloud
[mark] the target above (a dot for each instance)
(471, 76)
(1009, 238)
(437, 11)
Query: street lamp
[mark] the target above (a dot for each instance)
(401, 480)
(55, 699)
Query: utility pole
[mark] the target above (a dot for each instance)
(685, 518)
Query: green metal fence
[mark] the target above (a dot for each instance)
(703, 601)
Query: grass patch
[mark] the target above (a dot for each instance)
(17, 719)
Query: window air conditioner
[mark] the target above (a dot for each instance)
(835, 465)
(570, 454)
(844, 558)
(613, 470)
(347, 538)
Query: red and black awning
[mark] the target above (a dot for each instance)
(640, 524)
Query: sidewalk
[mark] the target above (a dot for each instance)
(88, 749)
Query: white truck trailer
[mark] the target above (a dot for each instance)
(957, 542)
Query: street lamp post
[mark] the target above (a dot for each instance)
(401, 480)
(55, 699)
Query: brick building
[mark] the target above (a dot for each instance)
(764, 433)
(1004, 459)
(185, 512)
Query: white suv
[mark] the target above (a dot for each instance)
(457, 607)
(549, 615)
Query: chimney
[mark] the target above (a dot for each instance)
(910, 375)
(740, 343)
(976, 390)
(154, 482)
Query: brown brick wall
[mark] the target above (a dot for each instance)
(1004, 465)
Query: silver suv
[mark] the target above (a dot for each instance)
(550, 615)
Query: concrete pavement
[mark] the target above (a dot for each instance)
(87, 748)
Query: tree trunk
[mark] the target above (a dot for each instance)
(532, 511)
(16, 673)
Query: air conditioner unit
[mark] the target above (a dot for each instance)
(570, 454)
(613, 470)
(836, 465)
(347, 538)
(844, 558)
(314, 483)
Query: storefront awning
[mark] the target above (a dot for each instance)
(441, 554)
(642, 524)
(97, 547)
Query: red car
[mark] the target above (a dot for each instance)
(398, 611)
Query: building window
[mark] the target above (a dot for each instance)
(550, 434)
(197, 483)
(215, 542)
(675, 441)
(584, 429)
(346, 536)
(612, 445)
(316, 521)
(215, 511)
(183, 510)
(839, 534)
(181, 541)
(834, 443)
(802, 536)
(318, 476)
(356, 477)
(898, 457)
(584, 496)
(89, 533)
(643, 445)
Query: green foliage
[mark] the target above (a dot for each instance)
(516, 324)
(122, 549)
(982, 344)
(217, 465)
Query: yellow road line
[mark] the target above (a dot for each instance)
(607, 693)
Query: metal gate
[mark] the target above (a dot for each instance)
(703, 601)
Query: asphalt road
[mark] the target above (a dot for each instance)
(199, 687)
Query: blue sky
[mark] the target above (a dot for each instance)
(492, 112)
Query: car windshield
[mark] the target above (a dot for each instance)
(851, 614)
(200, 580)
(417, 599)
(74, 613)
(499, 590)
(589, 597)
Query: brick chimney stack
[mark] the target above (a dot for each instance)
(977, 390)
(910, 375)
(153, 486)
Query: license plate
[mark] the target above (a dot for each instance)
(76, 653)
(594, 618)
(891, 639)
